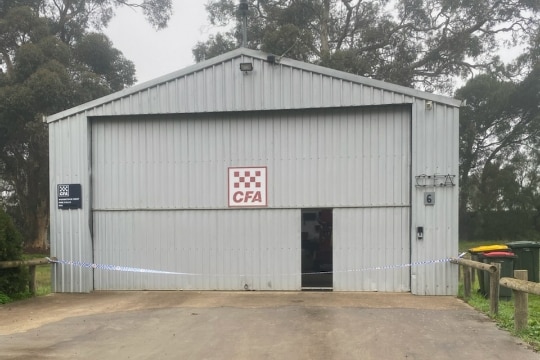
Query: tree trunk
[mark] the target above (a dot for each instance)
(325, 22)
(41, 240)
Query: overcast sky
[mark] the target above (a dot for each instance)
(157, 53)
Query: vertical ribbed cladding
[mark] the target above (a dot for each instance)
(153, 173)
(435, 151)
(70, 229)
(220, 250)
(317, 158)
(166, 165)
(223, 87)
(369, 238)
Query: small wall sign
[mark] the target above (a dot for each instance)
(247, 187)
(69, 196)
(429, 198)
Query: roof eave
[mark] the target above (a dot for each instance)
(262, 56)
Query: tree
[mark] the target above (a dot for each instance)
(499, 142)
(12, 281)
(413, 43)
(50, 60)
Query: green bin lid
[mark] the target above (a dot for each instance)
(487, 248)
(523, 244)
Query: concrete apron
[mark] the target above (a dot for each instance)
(251, 325)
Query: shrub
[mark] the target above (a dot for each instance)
(12, 281)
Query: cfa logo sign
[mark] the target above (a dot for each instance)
(247, 187)
(63, 190)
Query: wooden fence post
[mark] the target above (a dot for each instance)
(494, 289)
(521, 303)
(467, 281)
(32, 280)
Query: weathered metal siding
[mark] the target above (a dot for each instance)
(315, 158)
(347, 157)
(70, 229)
(369, 245)
(217, 85)
(435, 151)
(220, 249)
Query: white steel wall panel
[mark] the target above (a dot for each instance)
(369, 238)
(221, 86)
(324, 158)
(435, 151)
(217, 85)
(219, 250)
(70, 229)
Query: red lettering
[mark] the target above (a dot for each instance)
(238, 196)
(257, 197)
(248, 196)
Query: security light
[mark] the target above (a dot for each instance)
(246, 67)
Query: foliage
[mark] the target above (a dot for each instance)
(51, 59)
(4, 299)
(501, 225)
(499, 156)
(12, 281)
(413, 43)
(505, 318)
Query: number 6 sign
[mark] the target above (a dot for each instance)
(429, 198)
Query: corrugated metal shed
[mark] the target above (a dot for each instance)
(177, 135)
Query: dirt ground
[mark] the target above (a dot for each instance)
(250, 325)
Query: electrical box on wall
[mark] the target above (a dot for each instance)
(420, 232)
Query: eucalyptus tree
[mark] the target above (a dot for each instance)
(52, 57)
(421, 43)
(499, 145)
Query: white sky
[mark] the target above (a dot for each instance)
(157, 53)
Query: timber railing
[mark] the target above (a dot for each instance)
(494, 271)
(519, 284)
(31, 267)
(521, 289)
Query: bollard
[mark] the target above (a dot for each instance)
(494, 289)
(521, 303)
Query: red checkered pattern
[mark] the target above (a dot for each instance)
(246, 179)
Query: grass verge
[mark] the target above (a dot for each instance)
(505, 318)
(43, 282)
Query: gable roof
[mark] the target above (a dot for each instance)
(227, 64)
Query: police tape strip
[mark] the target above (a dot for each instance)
(114, 267)
(148, 271)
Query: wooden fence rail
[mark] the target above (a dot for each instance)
(494, 271)
(519, 284)
(521, 289)
(31, 266)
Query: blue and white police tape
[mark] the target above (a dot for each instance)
(113, 267)
(149, 271)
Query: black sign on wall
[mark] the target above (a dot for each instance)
(69, 196)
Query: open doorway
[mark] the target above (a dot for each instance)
(317, 249)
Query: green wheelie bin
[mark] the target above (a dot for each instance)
(528, 258)
(506, 259)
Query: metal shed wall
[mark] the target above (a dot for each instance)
(220, 249)
(70, 230)
(316, 158)
(166, 174)
(217, 85)
(435, 141)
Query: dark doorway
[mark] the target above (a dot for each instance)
(317, 249)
